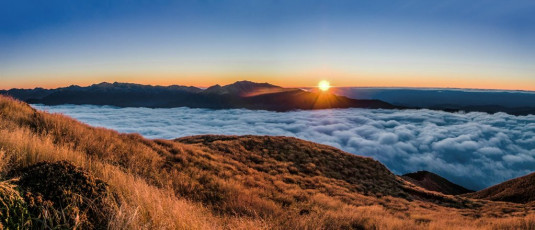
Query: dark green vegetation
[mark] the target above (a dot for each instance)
(14, 213)
(54, 195)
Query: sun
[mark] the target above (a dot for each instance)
(324, 85)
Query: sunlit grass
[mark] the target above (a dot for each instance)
(216, 182)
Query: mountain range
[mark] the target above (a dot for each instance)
(56, 172)
(241, 94)
(265, 96)
(490, 101)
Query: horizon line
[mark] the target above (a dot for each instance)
(304, 87)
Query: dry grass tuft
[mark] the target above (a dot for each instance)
(14, 212)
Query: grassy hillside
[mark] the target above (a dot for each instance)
(518, 190)
(124, 181)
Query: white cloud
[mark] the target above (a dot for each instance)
(475, 150)
(490, 151)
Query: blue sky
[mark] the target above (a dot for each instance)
(467, 44)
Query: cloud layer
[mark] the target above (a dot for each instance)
(475, 150)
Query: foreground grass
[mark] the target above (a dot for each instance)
(215, 182)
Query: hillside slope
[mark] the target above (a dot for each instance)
(434, 182)
(300, 160)
(518, 190)
(213, 182)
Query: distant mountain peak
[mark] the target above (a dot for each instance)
(114, 84)
(434, 182)
(241, 88)
(102, 84)
(245, 83)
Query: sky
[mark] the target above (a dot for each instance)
(485, 44)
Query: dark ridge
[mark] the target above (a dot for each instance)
(434, 182)
(241, 94)
(27, 94)
(518, 190)
(240, 88)
(450, 100)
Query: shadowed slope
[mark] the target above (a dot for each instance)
(434, 182)
(518, 190)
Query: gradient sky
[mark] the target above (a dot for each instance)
(409, 43)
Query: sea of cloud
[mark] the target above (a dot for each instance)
(474, 149)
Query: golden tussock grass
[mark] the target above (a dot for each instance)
(227, 182)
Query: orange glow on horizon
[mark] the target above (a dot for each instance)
(324, 85)
(297, 80)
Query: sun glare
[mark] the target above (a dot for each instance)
(324, 85)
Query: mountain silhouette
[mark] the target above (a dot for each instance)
(241, 94)
(434, 182)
